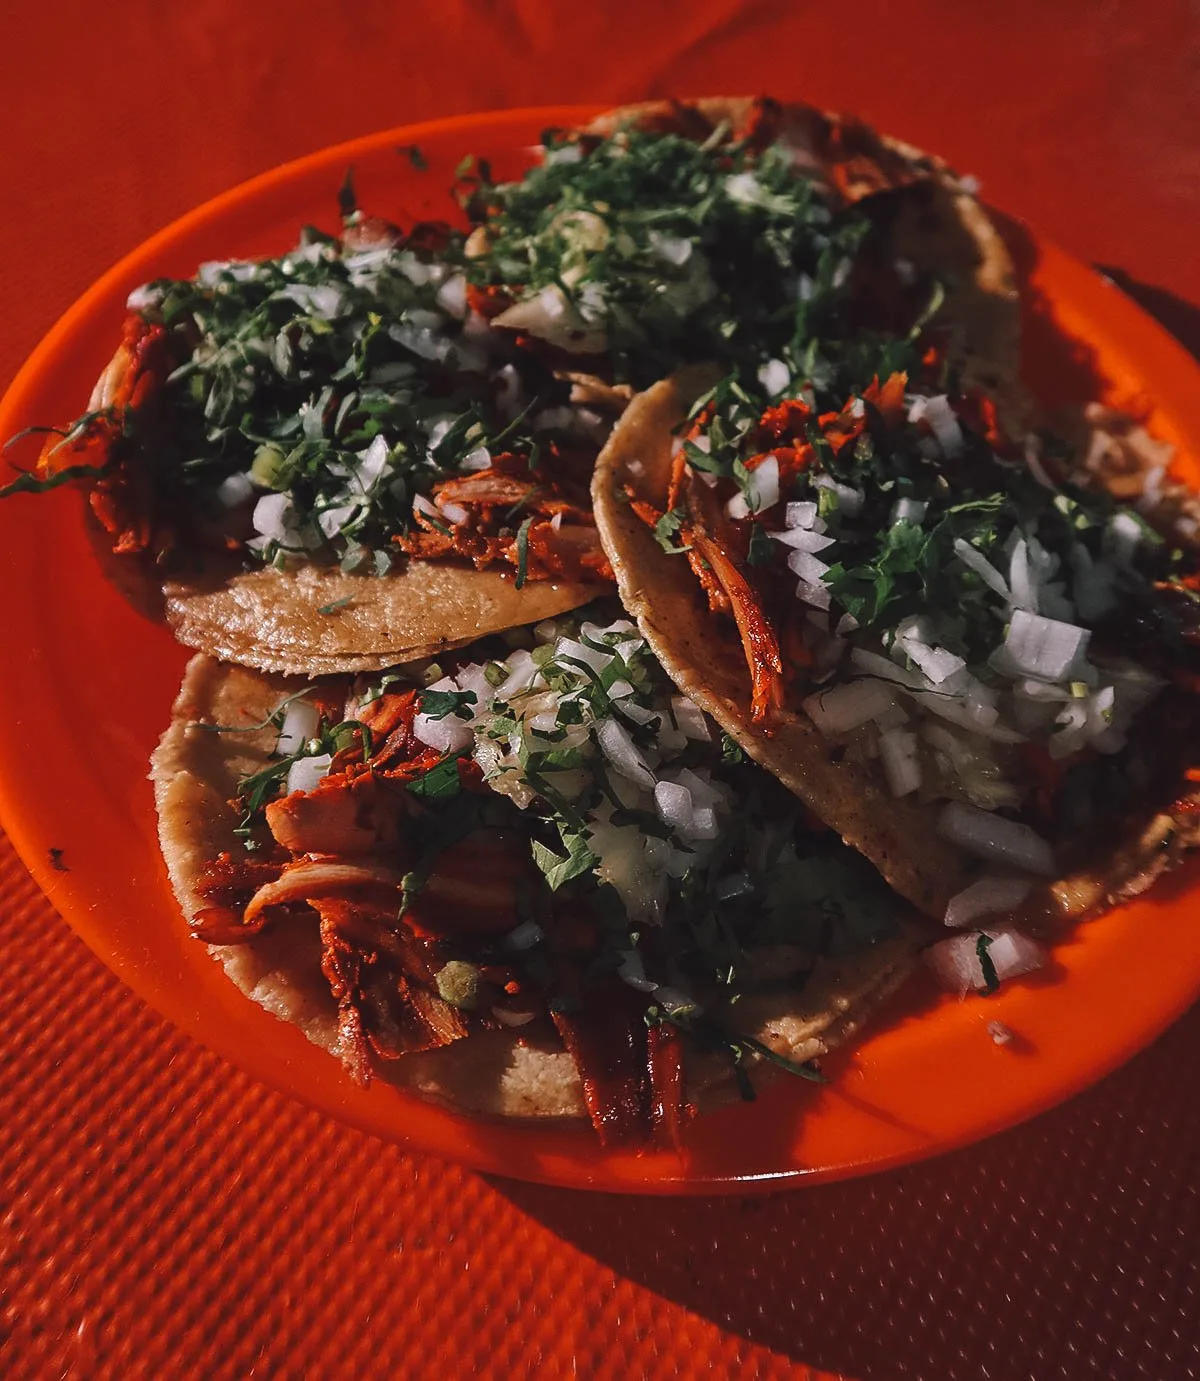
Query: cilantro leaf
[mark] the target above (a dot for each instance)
(557, 870)
(437, 704)
(440, 782)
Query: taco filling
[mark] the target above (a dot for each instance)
(1005, 655)
(536, 839)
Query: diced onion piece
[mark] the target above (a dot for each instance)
(1020, 579)
(549, 316)
(944, 424)
(271, 514)
(592, 657)
(1043, 648)
(988, 897)
(423, 504)
(803, 514)
(814, 593)
(761, 491)
(995, 838)
(452, 296)
(808, 567)
(619, 748)
(901, 763)
(455, 513)
(690, 719)
(849, 705)
(305, 774)
(982, 567)
(478, 459)
(1122, 537)
(999, 1033)
(774, 377)
(522, 672)
(673, 802)
(449, 734)
(875, 665)
(802, 539)
(850, 500)
(300, 722)
(957, 965)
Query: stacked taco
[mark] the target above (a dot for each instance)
(514, 765)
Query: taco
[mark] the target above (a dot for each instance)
(323, 462)
(529, 881)
(967, 657)
(743, 230)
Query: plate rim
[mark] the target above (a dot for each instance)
(1146, 334)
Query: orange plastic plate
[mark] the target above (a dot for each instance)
(88, 684)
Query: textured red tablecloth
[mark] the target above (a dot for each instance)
(162, 1214)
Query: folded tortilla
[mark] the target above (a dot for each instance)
(494, 1073)
(704, 656)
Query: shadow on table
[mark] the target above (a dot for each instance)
(1180, 317)
(1047, 1251)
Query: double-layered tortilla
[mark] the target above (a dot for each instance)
(531, 886)
(969, 660)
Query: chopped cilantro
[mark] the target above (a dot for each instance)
(437, 704)
(666, 528)
(991, 979)
(439, 782)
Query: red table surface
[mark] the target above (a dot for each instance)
(162, 1214)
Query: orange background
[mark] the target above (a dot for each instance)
(161, 1213)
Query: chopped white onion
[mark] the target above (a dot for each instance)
(803, 513)
(449, 734)
(1122, 537)
(761, 492)
(452, 296)
(994, 838)
(1020, 580)
(987, 897)
(849, 705)
(455, 513)
(982, 567)
(300, 722)
(305, 774)
(956, 961)
(478, 459)
(774, 377)
(690, 719)
(802, 539)
(1046, 649)
(901, 762)
(850, 500)
(808, 567)
(271, 514)
(619, 748)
